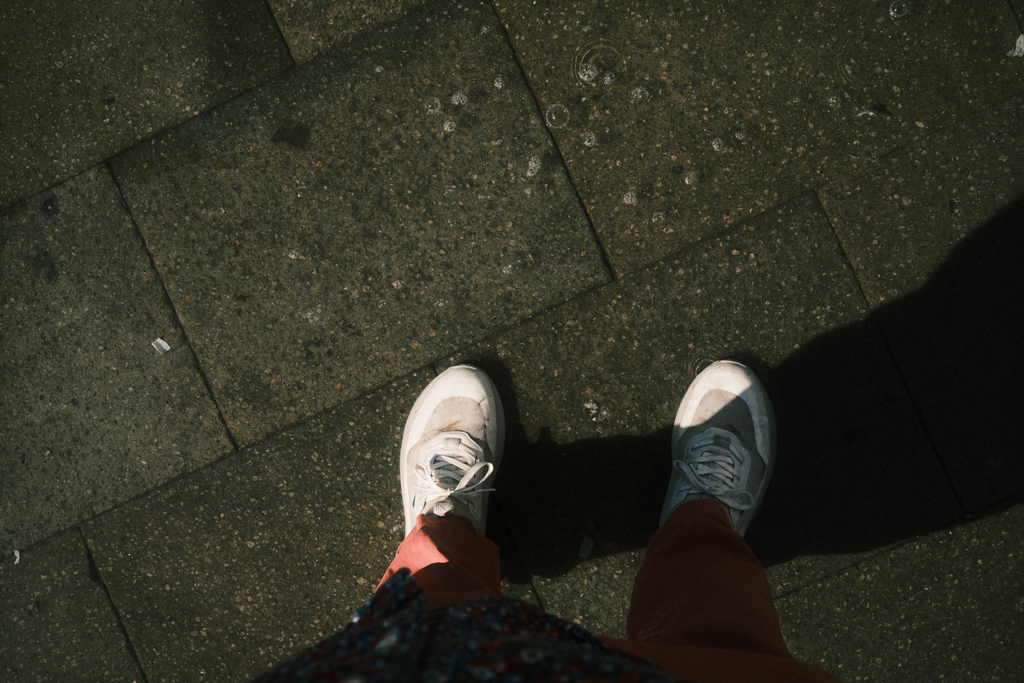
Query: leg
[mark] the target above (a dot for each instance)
(449, 560)
(452, 446)
(700, 585)
(701, 602)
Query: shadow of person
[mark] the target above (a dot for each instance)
(885, 427)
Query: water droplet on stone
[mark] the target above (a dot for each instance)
(557, 116)
(587, 72)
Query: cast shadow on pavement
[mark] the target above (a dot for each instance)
(860, 465)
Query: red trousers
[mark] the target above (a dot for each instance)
(701, 604)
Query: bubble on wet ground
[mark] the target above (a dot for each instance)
(590, 140)
(629, 198)
(528, 191)
(594, 57)
(609, 76)
(459, 99)
(588, 72)
(432, 105)
(898, 9)
(378, 68)
(499, 82)
(658, 217)
(833, 100)
(557, 116)
(449, 125)
(717, 144)
(397, 284)
(768, 72)
(639, 93)
(1018, 48)
(533, 166)
(484, 30)
(740, 135)
(690, 178)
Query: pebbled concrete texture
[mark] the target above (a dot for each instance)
(934, 234)
(80, 87)
(58, 623)
(224, 573)
(313, 27)
(946, 606)
(94, 415)
(676, 120)
(361, 216)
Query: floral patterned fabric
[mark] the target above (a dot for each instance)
(394, 638)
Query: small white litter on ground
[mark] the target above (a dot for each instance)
(161, 346)
(1018, 50)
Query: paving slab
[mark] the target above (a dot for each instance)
(948, 606)
(58, 622)
(591, 389)
(934, 233)
(312, 27)
(1018, 8)
(677, 119)
(228, 571)
(80, 87)
(93, 414)
(373, 210)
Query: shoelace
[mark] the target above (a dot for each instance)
(712, 464)
(449, 453)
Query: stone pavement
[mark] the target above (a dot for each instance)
(320, 205)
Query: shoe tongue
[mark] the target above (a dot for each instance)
(451, 447)
(720, 441)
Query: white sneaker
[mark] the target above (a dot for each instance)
(723, 443)
(452, 445)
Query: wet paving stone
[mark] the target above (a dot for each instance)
(590, 391)
(312, 27)
(677, 119)
(934, 233)
(223, 574)
(371, 211)
(80, 87)
(946, 606)
(93, 414)
(58, 623)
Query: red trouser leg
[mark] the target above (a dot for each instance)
(701, 603)
(702, 606)
(448, 560)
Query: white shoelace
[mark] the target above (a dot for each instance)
(449, 453)
(712, 464)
